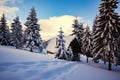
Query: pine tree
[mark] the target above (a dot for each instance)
(4, 32)
(118, 51)
(62, 52)
(86, 40)
(78, 32)
(92, 36)
(70, 53)
(16, 34)
(107, 27)
(94, 25)
(32, 40)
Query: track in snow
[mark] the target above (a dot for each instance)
(45, 70)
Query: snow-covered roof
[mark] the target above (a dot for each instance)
(51, 47)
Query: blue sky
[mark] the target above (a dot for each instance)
(47, 8)
(86, 9)
(53, 14)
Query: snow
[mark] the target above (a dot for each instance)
(16, 55)
(44, 51)
(52, 43)
(18, 64)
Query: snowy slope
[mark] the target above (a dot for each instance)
(52, 43)
(15, 55)
(24, 65)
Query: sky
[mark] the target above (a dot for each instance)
(52, 14)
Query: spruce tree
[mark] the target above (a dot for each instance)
(32, 40)
(86, 40)
(4, 32)
(62, 52)
(107, 29)
(70, 54)
(16, 34)
(118, 51)
(78, 32)
(94, 25)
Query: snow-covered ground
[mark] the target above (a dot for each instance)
(23, 65)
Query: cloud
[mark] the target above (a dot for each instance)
(88, 22)
(3, 2)
(13, 1)
(9, 11)
(51, 26)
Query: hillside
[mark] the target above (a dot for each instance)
(23, 65)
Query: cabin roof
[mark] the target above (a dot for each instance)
(51, 47)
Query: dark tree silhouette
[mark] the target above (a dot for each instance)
(4, 32)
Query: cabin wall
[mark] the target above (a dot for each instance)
(76, 49)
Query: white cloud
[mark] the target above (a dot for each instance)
(3, 2)
(51, 26)
(13, 1)
(9, 11)
(88, 22)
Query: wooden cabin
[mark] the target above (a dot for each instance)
(70, 41)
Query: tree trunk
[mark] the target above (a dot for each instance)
(109, 63)
(87, 59)
(78, 57)
(17, 47)
(31, 50)
(104, 62)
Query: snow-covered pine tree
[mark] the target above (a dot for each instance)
(31, 39)
(86, 40)
(62, 52)
(94, 25)
(70, 53)
(16, 34)
(107, 28)
(78, 31)
(4, 32)
(93, 33)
